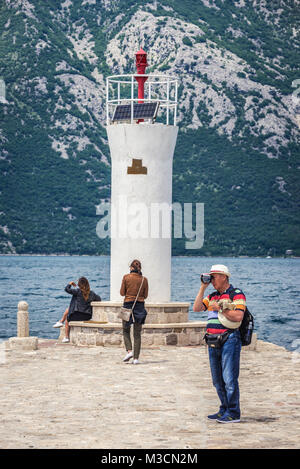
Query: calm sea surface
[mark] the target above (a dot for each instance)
(271, 287)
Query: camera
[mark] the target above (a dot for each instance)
(206, 278)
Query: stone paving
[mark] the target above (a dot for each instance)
(65, 396)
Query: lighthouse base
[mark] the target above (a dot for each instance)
(153, 335)
(166, 324)
(158, 313)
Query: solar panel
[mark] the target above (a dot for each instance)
(140, 111)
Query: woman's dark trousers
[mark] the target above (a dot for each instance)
(137, 329)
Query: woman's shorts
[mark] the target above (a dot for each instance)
(77, 316)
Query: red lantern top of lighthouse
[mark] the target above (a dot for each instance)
(141, 64)
(141, 61)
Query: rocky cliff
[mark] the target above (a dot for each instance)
(238, 143)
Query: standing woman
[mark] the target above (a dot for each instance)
(131, 284)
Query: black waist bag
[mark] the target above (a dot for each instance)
(216, 340)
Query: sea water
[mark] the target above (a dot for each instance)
(271, 286)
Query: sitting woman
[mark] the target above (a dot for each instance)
(80, 306)
(134, 284)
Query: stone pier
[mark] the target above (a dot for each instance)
(62, 396)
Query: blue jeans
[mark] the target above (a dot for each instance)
(225, 367)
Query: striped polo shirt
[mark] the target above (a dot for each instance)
(213, 325)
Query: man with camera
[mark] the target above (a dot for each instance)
(225, 306)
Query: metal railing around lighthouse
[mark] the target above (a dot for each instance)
(122, 89)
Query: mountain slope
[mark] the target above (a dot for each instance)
(238, 145)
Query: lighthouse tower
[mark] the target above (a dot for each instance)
(142, 133)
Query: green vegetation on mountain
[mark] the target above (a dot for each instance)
(238, 143)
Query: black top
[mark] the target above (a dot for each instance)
(78, 303)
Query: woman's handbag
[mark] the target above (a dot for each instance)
(125, 313)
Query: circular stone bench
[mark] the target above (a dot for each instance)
(111, 334)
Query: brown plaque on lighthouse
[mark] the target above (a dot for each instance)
(136, 167)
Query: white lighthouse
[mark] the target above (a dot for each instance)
(142, 132)
(141, 176)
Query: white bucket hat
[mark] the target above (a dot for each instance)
(229, 324)
(219, 269)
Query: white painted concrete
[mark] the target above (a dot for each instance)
(132, 197)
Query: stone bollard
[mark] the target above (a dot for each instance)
(62, 333)
(22, 320)
(23, 341)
